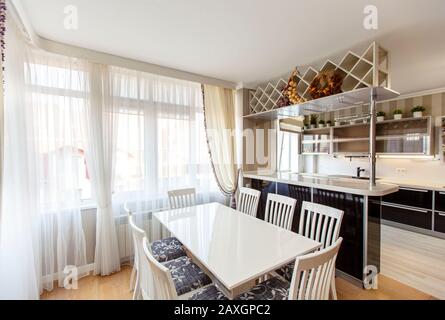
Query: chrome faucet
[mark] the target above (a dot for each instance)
(359, 170)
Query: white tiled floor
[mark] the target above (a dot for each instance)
(414, 259)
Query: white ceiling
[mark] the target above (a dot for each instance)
(250, 41)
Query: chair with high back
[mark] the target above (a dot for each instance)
(186, 275)
(133, 277)
(280, 210)
(248, 201)
(181, 198)
(164, 250)
(320, 223)
(142, 274)
(168, 282)
(311, 279)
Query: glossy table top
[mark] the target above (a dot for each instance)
(233, 246)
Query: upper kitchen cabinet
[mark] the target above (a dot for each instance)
(408, 136)
(411, 136)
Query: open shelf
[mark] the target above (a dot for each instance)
(327, 104)
(357, 71)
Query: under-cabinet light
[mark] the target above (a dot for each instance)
(406, 156)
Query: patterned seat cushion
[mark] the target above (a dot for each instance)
(209, 293)
(287, 271)
(186, 275)
(272, 289)
(167, 249)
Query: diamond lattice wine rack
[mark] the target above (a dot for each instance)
(366, 70)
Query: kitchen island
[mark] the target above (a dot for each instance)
(361, 205)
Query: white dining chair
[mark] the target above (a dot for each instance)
(165, 283)
(320, 223)
(181, 198)
(164, 288)
(248, 200)
(311, 279)
(167, 249)
(139, 274)
(280, 210)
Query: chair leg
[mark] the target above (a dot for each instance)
(132, 279)
(137, 288)
(333, 288)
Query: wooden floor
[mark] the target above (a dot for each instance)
(414, 259)
(116, 287)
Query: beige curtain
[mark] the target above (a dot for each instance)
(219, 117)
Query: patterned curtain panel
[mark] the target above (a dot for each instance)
(219, 115)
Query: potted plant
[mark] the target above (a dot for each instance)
(397, 114)
(321, 124)
(352, 121)
(328, 123)
(417, 111)
(314, 120)
(337, 123)
(380, 116)
(306, 124)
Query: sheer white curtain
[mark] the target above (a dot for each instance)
(44, 112)
(56, 101)
(102, 126)
(161, 144)
(19, 244)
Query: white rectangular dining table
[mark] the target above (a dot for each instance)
(234, 247)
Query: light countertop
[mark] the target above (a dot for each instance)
(417, 183)
(340, 184)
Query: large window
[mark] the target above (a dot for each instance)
(161, 142)
(57, 96)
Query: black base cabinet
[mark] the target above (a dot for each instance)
(411, 197)
(413, 207)
(439, 221)
(440, 201)
(416, 217)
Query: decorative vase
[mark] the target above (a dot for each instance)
(337, 123)
(418, 114)
(397, 116)
(365, 120)
(380, 119)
